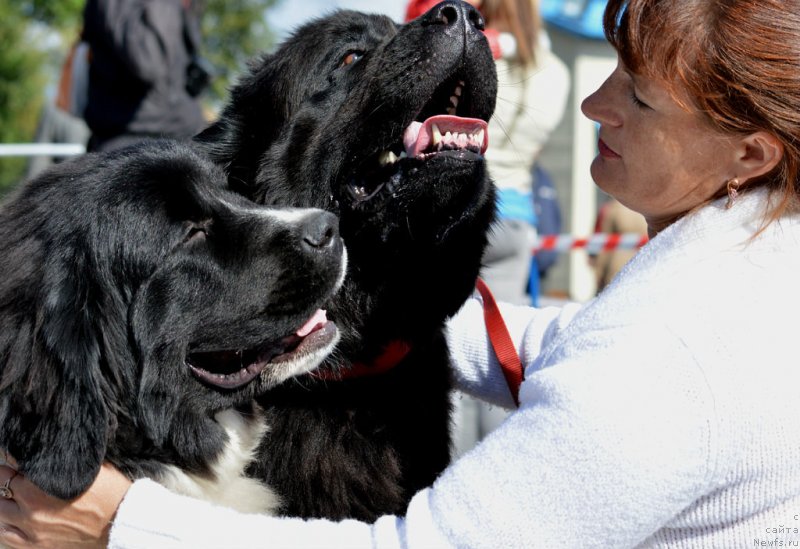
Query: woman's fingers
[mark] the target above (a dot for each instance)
(8, 460)
(6, 477)
(10, 533)
(17, 493)
(31, 518)
(11, 537)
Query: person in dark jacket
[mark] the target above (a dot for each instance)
(141, 53)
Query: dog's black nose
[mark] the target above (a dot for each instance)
(454, 12)
(320, 230)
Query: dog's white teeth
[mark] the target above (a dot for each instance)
(454, 98)
(437, 134)
(360, 192)
(387, 157)
(461, 140)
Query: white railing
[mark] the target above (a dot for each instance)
(41, 149)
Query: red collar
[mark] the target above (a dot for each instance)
(391, 356)
(397, 350)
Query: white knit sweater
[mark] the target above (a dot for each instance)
(664, 413)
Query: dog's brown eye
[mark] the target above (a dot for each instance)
(351, 58)
(196, 231)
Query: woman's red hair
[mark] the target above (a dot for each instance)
(737, 61)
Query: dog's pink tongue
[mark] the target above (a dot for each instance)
(419, 135)
(317, 320)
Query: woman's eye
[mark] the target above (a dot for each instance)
(351, 58)
(638, 102)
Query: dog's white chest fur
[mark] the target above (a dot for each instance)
(228, 486)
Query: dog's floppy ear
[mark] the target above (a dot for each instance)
(249, 123)
(53, 415)
(158, 401)
(165, 416)
(152, 317)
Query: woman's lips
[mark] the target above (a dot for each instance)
(605, 150)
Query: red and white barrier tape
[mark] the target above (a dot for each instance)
(600, 242)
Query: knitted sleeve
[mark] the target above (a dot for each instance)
(477, 371)
(614, 437)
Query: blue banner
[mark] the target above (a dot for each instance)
(582, 17)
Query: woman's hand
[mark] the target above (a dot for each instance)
(30, 518)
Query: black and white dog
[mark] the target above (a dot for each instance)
(142, 309)
(383, 125)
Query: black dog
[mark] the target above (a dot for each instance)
(384, 125)
(142, 308)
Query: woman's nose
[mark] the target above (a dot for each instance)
(599, 106)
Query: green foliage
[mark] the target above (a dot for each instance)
(60, 14)
(233, 32)
(21, 84)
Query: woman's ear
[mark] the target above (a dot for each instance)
(758, 154)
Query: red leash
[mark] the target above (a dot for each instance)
(501, 341)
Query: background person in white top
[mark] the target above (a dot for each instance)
(532, 90)
(661, 414)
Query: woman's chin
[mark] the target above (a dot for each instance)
(601, 175)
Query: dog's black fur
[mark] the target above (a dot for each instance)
(120, 272)
(305, 128)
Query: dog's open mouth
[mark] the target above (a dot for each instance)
(231, 369)
(442, 133)
(446, 123)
